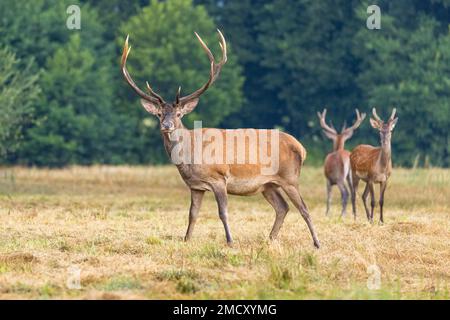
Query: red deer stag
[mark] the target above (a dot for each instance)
(337, 163)
(227, 177)
(373, 164)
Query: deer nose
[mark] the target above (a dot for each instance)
(167, 125)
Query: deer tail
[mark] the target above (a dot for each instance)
(300, 150)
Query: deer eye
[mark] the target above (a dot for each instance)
(159, 114)
(178, 114)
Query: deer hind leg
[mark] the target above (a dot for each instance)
(354, 189)
(220, 193)
(364, 198)
(276, 200)
(344, 196)
(328, 196)
(296, 198)
(372, 200)
(196, 202)
(383, 186)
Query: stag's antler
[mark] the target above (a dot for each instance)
(394, 111)
(153, 97)
(156, 98)
(177, 97)
(215, 67)
(323, 123)
(153, 93)
(359, 119)
(377, 118)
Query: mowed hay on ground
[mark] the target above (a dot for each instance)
(121, 230)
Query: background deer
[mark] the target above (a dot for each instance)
(337, 163)
(223, 179)
(373, 164)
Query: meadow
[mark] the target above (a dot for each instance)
(122, 229)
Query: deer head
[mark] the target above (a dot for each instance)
(385, 129)
(345, 134)
(170, 114)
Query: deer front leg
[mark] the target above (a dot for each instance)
(196, 202)
(383, 186)
(220, 193)
(364, 198)
(328, 196)
(354, 188)
(350, 186)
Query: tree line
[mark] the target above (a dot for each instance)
(63, 100)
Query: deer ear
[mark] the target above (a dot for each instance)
(374, 123)
(150, 107)
(393, 123)
(188, 107)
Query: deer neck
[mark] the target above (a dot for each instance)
(385, 154)
(183, 168)
(339, 144)
(168, 143)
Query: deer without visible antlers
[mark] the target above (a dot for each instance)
(337, 163)
(373, 164)
(226, 178)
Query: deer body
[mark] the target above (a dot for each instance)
(337, 167)
(242, 179)
(225, 177)
(337, 163)
(373, 165)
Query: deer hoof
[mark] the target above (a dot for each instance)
(317, 244)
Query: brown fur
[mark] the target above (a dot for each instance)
(337, 163)
(373, 165)
(336, 166)
(365, 164)
(246, 179)
(226, 178)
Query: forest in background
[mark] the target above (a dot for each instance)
(63, 100)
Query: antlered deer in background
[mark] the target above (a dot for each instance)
(228, 178)
(337, 163)
(373, 164)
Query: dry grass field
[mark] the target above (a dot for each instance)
(122, 228)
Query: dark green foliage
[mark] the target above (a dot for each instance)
(287, 60)
(166, 53)
(307, 52)
(73, 124)
(314, 54)
(18, 93)
(241, 20)
(74, 118)
(410, 69)
(38, 28)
